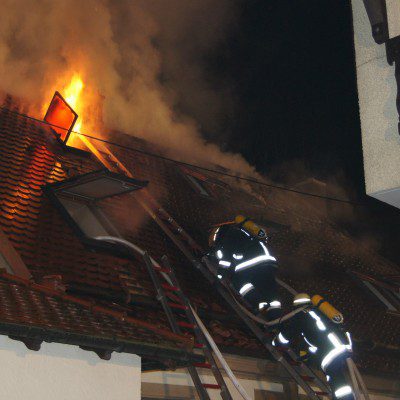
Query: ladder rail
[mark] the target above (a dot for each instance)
(252, 326)
(198, 332)
(359, 386)
(143, 199)
(173, 322)
(321, 384)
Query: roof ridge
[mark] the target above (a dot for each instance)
(93, 307)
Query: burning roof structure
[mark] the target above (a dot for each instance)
(58, 285)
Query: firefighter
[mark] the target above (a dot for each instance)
(317, 335)
(240, 251)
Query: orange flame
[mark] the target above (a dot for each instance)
(83, 99)
(72, 96)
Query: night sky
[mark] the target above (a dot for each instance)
(292, 69)
(292, 64)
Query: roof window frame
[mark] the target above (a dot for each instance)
(60, 199)
(384, 294)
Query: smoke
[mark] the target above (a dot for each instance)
(144, 58)
(143, 62)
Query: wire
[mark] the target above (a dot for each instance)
(284, 188)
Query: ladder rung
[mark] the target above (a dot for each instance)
(202, 365)
(307, 378)
(169, 287)
(211, 386)
(184, 324)
(179, 306)
(165, 270)
(176, 299)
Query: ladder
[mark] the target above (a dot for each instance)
(193, 252)
(180, 316)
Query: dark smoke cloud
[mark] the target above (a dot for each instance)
(143, 57)
(147, 59)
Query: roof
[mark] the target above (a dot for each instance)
(48, 246)
(34, 313)
(314, 256)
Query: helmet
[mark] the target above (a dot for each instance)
(301, 299)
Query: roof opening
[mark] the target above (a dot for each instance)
(61, 115)
(97, 185)
(80, 200)
(197, 181)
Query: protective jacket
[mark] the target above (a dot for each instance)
(246, 262)
(323, 343)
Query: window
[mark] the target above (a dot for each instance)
(391, 299)
(80, 198)
(385, 293)
(203, 184)
(5, 265)
(85, 216)
(62, 116)
(198, 185)
(10, 259)
(196, 180)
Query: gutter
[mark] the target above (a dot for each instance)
(182, 340)
(33, 336)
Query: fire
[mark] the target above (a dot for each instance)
(73, 91)
(75, 104)
(72, 96)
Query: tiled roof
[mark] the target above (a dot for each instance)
(27, 308)
(48, 245)
(36, 229)
(314, 258)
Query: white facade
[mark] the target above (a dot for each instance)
(262, 379)
(63, 372)
(377, 100)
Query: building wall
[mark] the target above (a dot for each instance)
(65, 372)
(377, 100)
(254, 375)
(262, 379)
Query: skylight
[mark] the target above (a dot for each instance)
(79, 199)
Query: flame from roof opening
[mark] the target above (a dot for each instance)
(72, 96)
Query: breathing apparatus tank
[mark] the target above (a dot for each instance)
(250, 227)
(326, 308)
